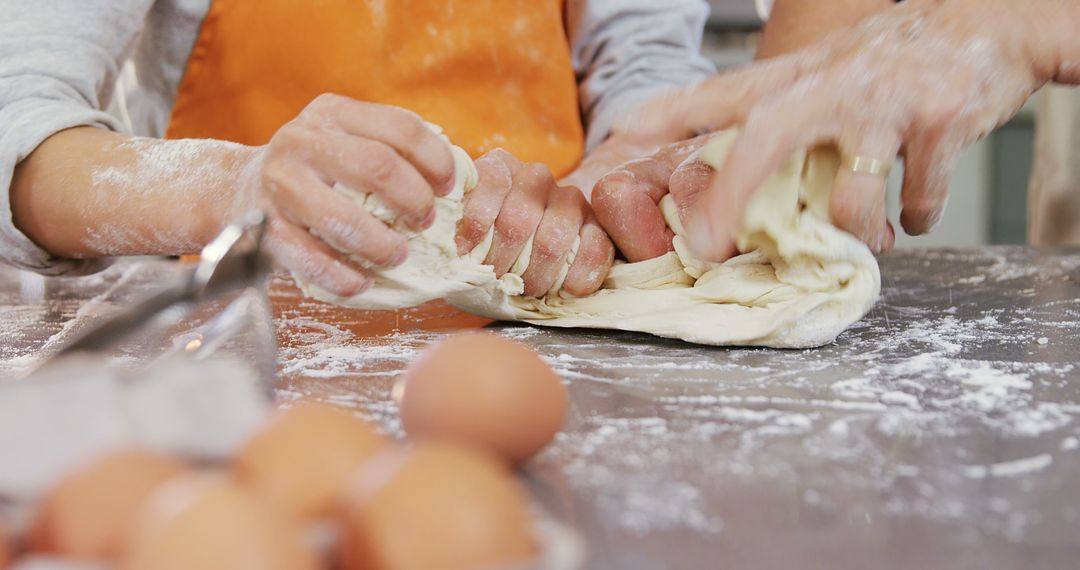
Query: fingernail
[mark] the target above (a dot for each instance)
(362, 284)
(400, 256)
(448, 186)
(427, 221)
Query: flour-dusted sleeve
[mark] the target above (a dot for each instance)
(59, 60)
(625, 50)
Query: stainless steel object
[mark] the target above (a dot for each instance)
(231, 261)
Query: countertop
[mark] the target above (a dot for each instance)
(939, 432)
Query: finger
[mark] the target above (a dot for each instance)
(400, 129)
(928, 167)
(556, 234)
(341, 222)
(716, 103)
(772, 133)
(521, 214)
(627, 208)
(310, 259)
(495, 176)
(594, 257)
(890, 238)
(370, 166)
(688, 181)
(625, 202)
(857, 202)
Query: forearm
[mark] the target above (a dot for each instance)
(88, 192)
(794, 24)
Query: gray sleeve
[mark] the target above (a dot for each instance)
(625, 50)
(59, 60)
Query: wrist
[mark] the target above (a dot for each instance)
(244, 167)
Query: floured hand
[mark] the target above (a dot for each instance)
(627, 199)
(528, 209)
(317, 232)
(924, 80)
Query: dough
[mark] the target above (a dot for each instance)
(800, 284)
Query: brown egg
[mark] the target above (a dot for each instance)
(86, 514)
(486, 391)
(300, 460)
(207, 521)
(434, 505)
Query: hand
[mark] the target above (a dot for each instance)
(608, 155)
(924, 79)
(522, 199)
(316, 231)
(627, 198)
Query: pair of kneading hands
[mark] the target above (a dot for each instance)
(323, 236)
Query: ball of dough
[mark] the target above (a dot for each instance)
(435, 505)
(300, 460)
(486, 391)
(209, 522)
(87, 513)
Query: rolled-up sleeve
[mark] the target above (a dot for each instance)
(59, 60)
(626, 50)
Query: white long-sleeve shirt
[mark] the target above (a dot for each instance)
(60, 61)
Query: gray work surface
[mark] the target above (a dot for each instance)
(939, 432)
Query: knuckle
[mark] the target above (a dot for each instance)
(494, 175)
(473, 227)
(291, 135)
(382, 164)
(275, 174)
(597, 248)
(611, 192)
(548, 250)
(324, 101)
(537, 174)
(514, 223)
(497, 156)
(411, 128)
(498, 153)
(566, 196)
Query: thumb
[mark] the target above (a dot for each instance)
(688, 181)
(626, 202)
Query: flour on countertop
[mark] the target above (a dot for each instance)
(939, 410)
(936, 370)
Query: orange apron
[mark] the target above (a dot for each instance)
(492, 73)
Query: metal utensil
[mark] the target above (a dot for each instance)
(231, 261)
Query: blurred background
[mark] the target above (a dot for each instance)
(989, 195)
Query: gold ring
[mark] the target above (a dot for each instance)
(871, 166)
